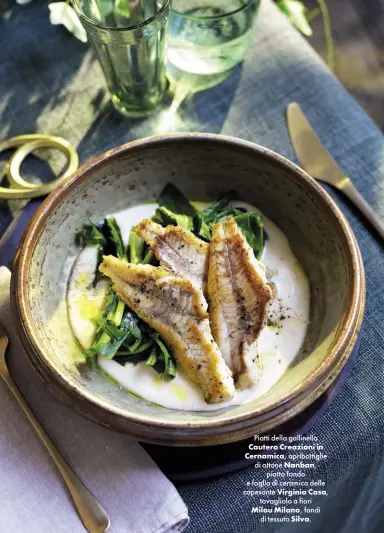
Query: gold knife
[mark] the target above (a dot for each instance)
(318, 162)
(93, 516)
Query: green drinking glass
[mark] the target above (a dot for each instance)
(209, 37)
(128, 37)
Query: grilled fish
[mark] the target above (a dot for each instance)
(177, 249)
(238, 294)
(177, 310)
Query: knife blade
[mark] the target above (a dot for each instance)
(318, 162)
(312, 155)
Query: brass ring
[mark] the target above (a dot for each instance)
(18, 157)
(14, 142)
(27, 144)
(19, 140)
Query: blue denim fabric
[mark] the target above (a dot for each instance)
(51, 83)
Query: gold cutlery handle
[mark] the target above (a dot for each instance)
(93, 516)
(353, 194)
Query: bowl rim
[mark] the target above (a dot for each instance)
(349, 325)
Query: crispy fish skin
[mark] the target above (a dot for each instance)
(175, 308)
(238, 294)
(177, 249)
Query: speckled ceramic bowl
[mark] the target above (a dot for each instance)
(203, 166)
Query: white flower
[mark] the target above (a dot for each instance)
(22, 2)
(63, 13)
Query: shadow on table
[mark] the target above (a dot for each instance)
(203, 111)
(38, 82)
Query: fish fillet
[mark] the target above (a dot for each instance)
(176, 309)
(177, 249)
(238, 293)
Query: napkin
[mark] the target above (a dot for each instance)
(33, 499)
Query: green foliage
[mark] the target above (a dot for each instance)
(295, 11)
(298, 15)
(251, 226)
(120, 334)
(165, 217)
(114, 238)
(90, 235)
(174, 200)
(202, 222)
(136, 248)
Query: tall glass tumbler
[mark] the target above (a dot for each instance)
(209, 37)
(128, 37)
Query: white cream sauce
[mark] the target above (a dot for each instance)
(279, 341)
